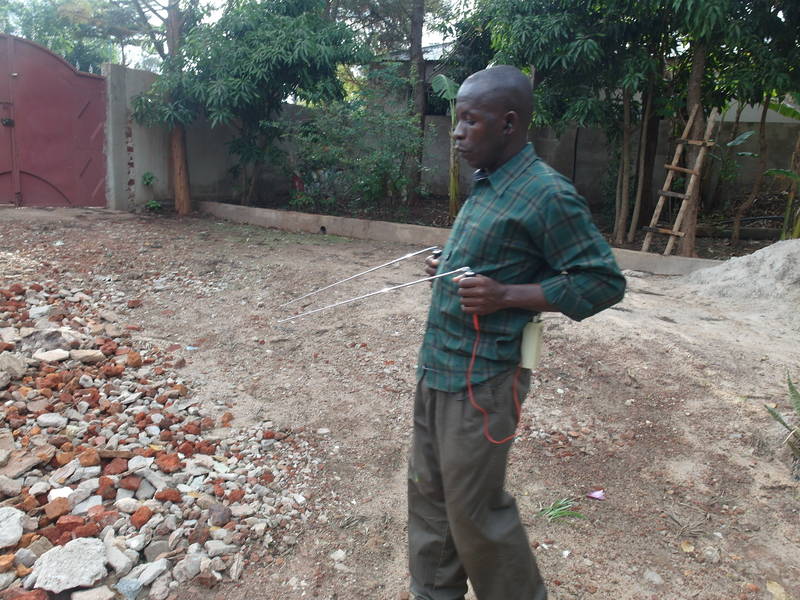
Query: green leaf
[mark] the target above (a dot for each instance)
(777, 416)
(787, 110)
(750, 154)
(794, 395)
(741, 138)
(444, 87)
(783, 173)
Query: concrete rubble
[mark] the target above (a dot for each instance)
(114, 482)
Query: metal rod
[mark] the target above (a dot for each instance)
(383, 291)
(391, 262)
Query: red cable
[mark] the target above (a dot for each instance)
(471, 397)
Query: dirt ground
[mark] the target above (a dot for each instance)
(657, 401)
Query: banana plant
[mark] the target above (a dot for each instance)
(446, 88)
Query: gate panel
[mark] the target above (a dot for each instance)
(7, 171)
(58, 129)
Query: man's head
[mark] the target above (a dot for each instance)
(494, 109)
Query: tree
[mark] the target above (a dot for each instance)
(447, 89)
(240, 69)
(591, 58)
(75, 31)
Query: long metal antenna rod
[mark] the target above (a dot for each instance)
(391, 262)
(383, 291)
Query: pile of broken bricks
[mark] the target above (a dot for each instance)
(113, 481)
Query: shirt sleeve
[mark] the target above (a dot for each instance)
(588, 278)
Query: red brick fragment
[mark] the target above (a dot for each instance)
(169, 463)
(87, 530)
(235, 495)
(89, 458)
(169, 495)
(141, 516)
(116, 466)
(131, 482)
(57, 508)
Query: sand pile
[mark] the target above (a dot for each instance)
(772, 273)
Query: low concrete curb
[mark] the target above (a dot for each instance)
(418, 234)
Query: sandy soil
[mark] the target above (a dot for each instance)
(658, 401)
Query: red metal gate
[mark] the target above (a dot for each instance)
(52, 121)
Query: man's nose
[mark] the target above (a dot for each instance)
(458, 132)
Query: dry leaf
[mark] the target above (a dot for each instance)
(687, 547)
(777, 591)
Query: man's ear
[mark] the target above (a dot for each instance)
(511, 119)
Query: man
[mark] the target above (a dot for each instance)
(530, 240)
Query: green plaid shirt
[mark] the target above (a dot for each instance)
(524, 223)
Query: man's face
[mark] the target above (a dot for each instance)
(479, 133)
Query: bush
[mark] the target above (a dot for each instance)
(354, 155)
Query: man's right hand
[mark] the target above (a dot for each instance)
(431, 265)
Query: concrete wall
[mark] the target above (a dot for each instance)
(131, 149)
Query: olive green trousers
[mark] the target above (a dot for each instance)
(461, 522)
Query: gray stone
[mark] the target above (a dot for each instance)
(11, 521)
(160, 588)
(87, 356)
(117, 558)
(25, 557)
(40, 545)
(60, 476)
(156, 479)
(156, 548)
(153, 570)
(98, 593)
(6, 579)
(51, 420)
(192, 564)
(5, 379)
(129, 587)
(83, 507)
(13, 364)
(137, 463)
(219, 515)
(10, 487)
(123, 493)
(78, 563)
(56, 355)
(217, 548)
(127, 505)
(137, 542)
(82, 473)
(652, 577)
(237, 566)
(145, 491)
(5, 455)
(38, 488)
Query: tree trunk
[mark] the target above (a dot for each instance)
(622, 212)
(180, 173)
(694, 96)
(637, 206)
(762, 166)
(418, 96)
(177, 145)
(454, 176)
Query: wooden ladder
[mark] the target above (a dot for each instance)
(694, 182)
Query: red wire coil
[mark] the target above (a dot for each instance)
(471, 396)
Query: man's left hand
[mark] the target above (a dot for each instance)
(481, 295)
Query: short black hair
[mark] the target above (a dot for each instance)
(504, 87)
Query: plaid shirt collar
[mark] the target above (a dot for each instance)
(508, 171)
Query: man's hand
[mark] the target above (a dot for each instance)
(432, 265)
(481, 295)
